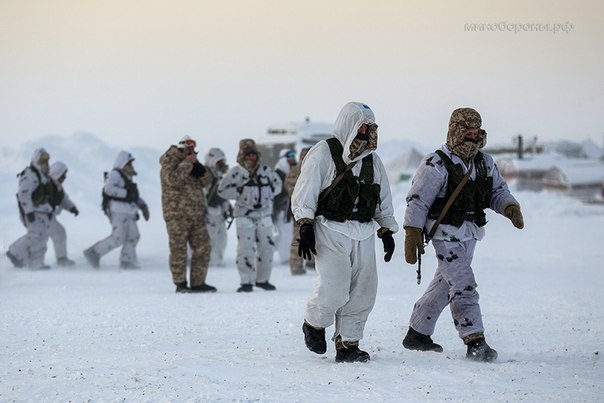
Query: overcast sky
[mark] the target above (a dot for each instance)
(146, 72)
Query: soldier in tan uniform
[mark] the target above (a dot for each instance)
(183, 179)
(296, 263)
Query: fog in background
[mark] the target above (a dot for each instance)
(144, 73)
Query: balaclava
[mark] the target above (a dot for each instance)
(124, 162)
(346, 126)
(40, 160)
(216, 161)
(462, 120)
(58, 170)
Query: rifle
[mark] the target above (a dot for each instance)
(441, 216)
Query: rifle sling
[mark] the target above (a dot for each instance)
(449, 203)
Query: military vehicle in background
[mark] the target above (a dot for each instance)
(293, 135)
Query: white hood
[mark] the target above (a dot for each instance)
(57, 170)
(122, 159)
(282, 163)
(347, 125)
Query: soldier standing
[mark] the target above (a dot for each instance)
(253, 186)
(297, 264)
(183, 179)
(219, 210)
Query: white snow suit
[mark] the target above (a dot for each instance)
(253, 193)
(57, 232)
(218, 210)
(453, 283)
(345, 260)
(31, 247)
(123, 215)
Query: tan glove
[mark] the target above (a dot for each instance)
(512, 211)
(414, 243)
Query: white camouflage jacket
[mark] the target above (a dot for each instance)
(115, 186)
(251, 200)
(29, 182)
(430, 182)
(319, 170)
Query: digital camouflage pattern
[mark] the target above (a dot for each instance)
(462, 120)
(296, 263)
(183, 205)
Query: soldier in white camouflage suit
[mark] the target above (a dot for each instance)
(219, 210)
(183, 179)
(35, 198)
(58, 235)
(124, 203)
(338, 222)
(253, 186)
(455, 238)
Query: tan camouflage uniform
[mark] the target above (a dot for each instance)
(296, 263)
(184, 205)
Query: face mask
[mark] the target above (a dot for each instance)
(222, 166)
(129, 170)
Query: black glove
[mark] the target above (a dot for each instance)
(74, 211)
(306, 242)
(198, 170)
(132, 195)
(145, 210)
(388, 242)
(31, 217)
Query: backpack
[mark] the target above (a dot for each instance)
(106, 198)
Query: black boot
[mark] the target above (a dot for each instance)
(266, 286)
(203, 288)
(414, 340)
(182, 288)
(314, 338)
(245, 288)
(350, 352)
(478, 349)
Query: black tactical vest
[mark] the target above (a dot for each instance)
(214, 200)
(45, 192)
(339, 203)
(128, 184)
(473, 199)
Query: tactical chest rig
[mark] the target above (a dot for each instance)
(45, 192)
(474, 198)
(337, 202)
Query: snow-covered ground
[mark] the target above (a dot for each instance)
(79, 334)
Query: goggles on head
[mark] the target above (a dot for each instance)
(290, 154)
(187, 143)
